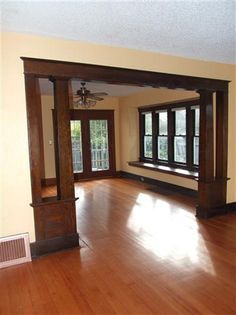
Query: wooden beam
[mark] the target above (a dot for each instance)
(47, 68)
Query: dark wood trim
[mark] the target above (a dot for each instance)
(174, 104)
(206, 150)
(165, 169)
(153, 109)
(58, 219)
(84, 116)
(33, 103)
(41, 140)
(208, 187)
(115, 75)
(49, 181)
(52, 181)
(160, 184)
(222, 141)
(64, 169)
(54, 218)
(215, 211)
(51, 245)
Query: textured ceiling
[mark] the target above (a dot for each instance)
(199, 29)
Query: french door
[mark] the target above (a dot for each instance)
(93, 143)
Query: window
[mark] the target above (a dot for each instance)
(169, 134)
(162, 135)
(180, 135)
(147, 135)
(196, 115)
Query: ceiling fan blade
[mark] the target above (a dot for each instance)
(93, 97)
(98, 94)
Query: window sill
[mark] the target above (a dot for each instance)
(165, 169)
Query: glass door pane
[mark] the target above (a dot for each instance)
(99, 145)
(75, 126)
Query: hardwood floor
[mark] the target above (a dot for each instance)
(142, 252)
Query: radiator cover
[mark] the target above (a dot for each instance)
(14, 250)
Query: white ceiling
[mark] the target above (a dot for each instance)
(200, 29)
(46, 88)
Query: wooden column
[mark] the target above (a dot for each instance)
(64, 168)
(206, 154)
(33, 106)
(55, 218)
(222, 142)
(212, 180)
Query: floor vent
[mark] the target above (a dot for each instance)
(14, 250)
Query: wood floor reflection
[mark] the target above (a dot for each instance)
(143, 252)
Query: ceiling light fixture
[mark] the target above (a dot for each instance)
(85, 98)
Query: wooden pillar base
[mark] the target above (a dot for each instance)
(212, 197)
(55, 225)
(43, 247)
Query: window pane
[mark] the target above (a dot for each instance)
(197, 122)
(163, 123)
(75, 126)
(148, 146)
(196, 151)
(148, 124)
(180, 122)
(99, 145)
(162, 146)
(180, 149)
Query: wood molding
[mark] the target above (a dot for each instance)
(59, 219)
(54, 218)
(202, 213)
(115, 75)
(48, 181)
(33, 105)
(52, 181)
(163, 185)
(51, 245)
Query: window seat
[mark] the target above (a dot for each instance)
(165, 169)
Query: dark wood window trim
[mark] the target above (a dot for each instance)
(170, 109)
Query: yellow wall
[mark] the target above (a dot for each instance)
(49, 157)
(17, 215)
(129, 131)
(1, 143)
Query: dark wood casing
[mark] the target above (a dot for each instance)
(55, 223)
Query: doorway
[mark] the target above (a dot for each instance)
(93, 143)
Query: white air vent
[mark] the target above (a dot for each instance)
(14, 250)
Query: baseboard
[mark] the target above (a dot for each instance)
(211, 212)
(53, 181)
(44, 247)
(48, 181)
(160, 184)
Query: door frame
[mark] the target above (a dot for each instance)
(84, 116)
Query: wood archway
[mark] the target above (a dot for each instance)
(55, 220)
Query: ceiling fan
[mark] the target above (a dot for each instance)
(85, 98)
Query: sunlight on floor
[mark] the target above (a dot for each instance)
(169, 232)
